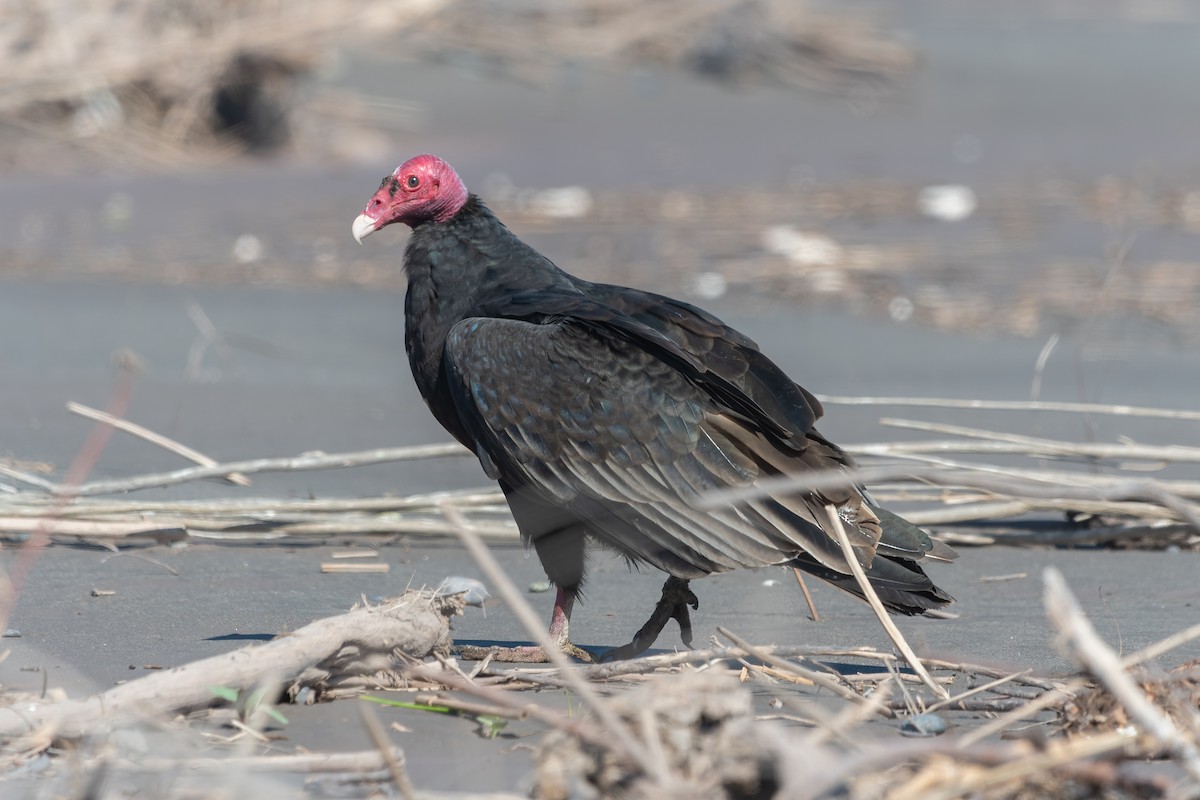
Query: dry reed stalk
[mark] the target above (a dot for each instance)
(507, 590)
(856, 569)
(296, 463)
(392, 758)
(1066, 689)
(356, 568)
(812, 608)
(1015, 405)
(814, 677)
(480, 500)
(967, 491)
(154, 438)
(1041, 447)
(1085, 645)
(310, 763)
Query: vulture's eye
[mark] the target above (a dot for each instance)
(413, 182)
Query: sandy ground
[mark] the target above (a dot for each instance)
(92, 264)
(326, 371)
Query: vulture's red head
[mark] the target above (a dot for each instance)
(422, 189)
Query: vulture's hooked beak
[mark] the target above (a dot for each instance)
(363, 227)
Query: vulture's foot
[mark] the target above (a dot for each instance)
(560, 630)
(676, 598)
(524, 654)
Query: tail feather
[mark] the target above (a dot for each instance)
(902, 538)
(894, 573)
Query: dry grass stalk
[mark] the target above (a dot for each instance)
(1014, 405)
(507, 590)
(1057, 695)
(296, 463)
(153, 438)
(812, 608)
(392, 758)
(1138, 497)
(955, 779)
(311, 763)
(957, 699)
(856, 569)
(511, 699)
(332, 567)
(816, 678)
(1050, 448)
(1081, 641)
(1158, 510)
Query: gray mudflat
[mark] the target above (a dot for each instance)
(325, 370)
(1025, 105)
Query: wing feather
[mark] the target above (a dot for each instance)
(629, 438)
(607, 427)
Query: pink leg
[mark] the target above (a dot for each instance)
(560, 618)
(560, 623)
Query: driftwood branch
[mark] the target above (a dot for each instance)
(361, 642)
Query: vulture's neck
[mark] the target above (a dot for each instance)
(458, 269)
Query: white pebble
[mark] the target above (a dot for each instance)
(709, 285)
(802, 249)
(474, 591)
(248, 249)
(900, 309)
(567, 202)
(948, 202)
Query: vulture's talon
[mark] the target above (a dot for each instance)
(676, 597)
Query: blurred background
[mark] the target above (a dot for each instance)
(994, 200)
(1013, 169)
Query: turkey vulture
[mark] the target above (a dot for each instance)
(607, 413)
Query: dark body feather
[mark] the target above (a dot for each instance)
(605, 413)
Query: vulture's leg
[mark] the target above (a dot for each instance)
(676, 597)
(560, 625)
(559, 539)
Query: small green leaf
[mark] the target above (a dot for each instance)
(225, 693)
(248, 704)
(491, 726)
(276, 715)
(383, 701)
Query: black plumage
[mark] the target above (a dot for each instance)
(607, 413)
